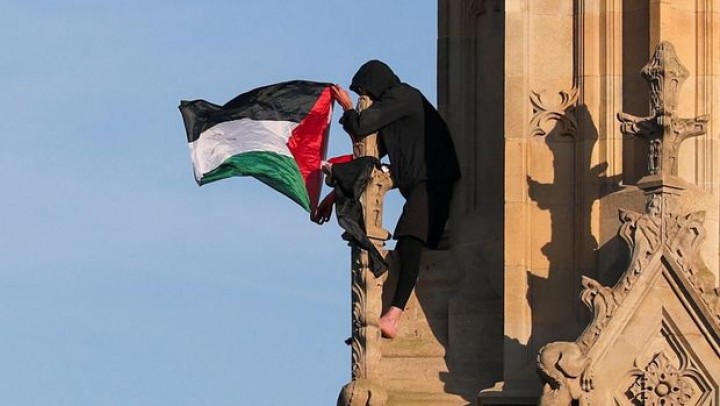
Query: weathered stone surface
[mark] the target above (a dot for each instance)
(655, 334)
(531, 91)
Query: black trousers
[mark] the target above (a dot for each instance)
(409, 250)
(421, 225)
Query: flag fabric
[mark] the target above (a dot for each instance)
(277, 134)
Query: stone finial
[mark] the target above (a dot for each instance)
(666, 75)
(663, 130)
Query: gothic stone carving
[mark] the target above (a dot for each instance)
(663, 130)
(362, 392)
(659, 234)
(548, 116)
(660, 383)
(667, 372)
(645, 233)
(566, 369)
(359, 305)
(602, 302)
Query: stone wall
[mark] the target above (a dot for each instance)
(531, 90)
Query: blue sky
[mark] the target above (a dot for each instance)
(121, 281)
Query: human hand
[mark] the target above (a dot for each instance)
(342, 96)
(324, 210)
(326, 168)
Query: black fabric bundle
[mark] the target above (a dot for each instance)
(351, 178)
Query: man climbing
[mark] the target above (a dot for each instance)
(423, 164)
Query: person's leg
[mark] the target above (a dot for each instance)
(409, 250)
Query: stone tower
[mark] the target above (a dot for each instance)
(556, 196)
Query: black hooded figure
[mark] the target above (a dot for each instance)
(423, 164)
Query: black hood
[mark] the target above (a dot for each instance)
(375, 77)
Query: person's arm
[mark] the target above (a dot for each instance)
(372, 119)
(375, 117)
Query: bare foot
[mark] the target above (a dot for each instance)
(389, 322)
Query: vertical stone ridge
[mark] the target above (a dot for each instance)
(365, 388)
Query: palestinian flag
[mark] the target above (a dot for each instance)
(277, 134)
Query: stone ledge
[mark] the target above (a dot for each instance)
(427, 399)
(412, 348)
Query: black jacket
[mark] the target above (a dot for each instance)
(412, 132)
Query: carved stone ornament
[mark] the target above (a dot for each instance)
(566, 370)
(358, 324)
(642, 233)
(567, 367)
(661, 383)
(663, 130)
(602, 302)
(646, 233)
(558, 116)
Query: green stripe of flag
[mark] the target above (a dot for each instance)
(280, 172)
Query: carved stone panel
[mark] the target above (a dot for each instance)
(667, 372)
